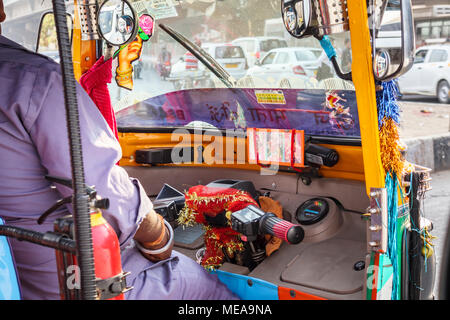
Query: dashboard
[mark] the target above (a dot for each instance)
(329, 262)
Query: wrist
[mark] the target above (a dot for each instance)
(162, 246)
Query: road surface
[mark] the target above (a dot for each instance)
(437, 209)
(423, 117)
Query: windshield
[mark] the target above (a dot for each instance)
(280, 81)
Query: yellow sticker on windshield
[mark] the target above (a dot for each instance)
(270, 96)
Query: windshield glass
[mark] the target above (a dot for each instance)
(280, 81)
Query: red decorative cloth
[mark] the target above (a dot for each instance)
(95, 82)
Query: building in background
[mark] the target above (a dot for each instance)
(432, 21)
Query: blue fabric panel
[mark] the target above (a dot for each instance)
(9, 286)
(239, 285)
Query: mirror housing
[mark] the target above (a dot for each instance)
(303, 18)
(117, 22)
(319, 18)
(296, 16)
(47, 42)
(395, 45)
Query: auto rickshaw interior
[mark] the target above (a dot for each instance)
(195, 127)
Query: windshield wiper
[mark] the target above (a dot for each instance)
(202, 56)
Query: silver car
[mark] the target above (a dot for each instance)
(256, 47)
(231, 57)
(430, 74)
(289, 62)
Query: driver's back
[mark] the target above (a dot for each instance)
(25, 194)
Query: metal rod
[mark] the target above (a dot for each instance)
(80, 199)
(47, 239)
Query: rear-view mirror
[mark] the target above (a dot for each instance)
(117, 22)
(47, 42)
(393, 41)
(296, 16)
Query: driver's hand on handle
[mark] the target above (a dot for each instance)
(154, 238)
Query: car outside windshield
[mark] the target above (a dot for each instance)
(305, 55)
(267, 45)
(227, 52)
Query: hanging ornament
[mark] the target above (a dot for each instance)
(129, 53)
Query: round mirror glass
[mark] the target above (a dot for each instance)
(117, 22)
(296, 16)
(382, 63)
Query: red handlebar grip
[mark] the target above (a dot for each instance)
(283, 229)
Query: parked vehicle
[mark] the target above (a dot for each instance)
(164, 65)
(164, 69)
(430, 74)
(185, 78)
(256, 47)
(287, 62)
(231, 57)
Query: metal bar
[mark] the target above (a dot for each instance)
(364, 82)
(80, 199)
(48, 239)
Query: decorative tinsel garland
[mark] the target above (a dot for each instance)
(205, 204)
(393, 163)
(387, 105)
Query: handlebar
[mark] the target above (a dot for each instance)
(280, 228)
(252, 221)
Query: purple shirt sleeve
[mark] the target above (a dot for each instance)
(46, 123)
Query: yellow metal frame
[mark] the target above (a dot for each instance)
(363, 79)
(84, 53)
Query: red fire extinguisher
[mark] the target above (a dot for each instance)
(107, 259)
(110, 278)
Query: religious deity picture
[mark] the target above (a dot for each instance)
(131, 52)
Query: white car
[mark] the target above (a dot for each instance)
(430, 73)
(231, 57)
(286, 63)
(256, 47)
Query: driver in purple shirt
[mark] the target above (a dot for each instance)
(34, 143)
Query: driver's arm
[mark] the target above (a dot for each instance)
(131, 212)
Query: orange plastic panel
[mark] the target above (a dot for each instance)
(350, 165)
(291, 294)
